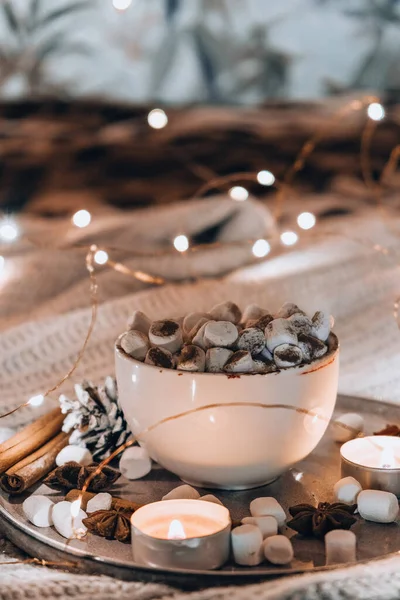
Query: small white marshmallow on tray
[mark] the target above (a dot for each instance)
(182, 492)
(378, 506)
(278, 550)
(65, 523)
(347, 426)
(247, 545)
(268, 506)
(267, 525)
(225, 341)
(135, 463)
(78, 454)
(38, 510)
(101, 501)
(340, 547)
(346, 490)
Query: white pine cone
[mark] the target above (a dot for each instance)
(95, 418)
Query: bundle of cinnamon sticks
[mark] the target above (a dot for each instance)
(31, 453)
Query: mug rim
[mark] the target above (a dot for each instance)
(308, 368)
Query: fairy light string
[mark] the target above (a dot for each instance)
(283, 187)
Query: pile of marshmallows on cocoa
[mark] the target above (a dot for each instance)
(225, 340)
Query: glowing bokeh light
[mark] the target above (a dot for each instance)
(101, 257)
(306, 220)
(8, 230)
(376, 112)
(238, 193)
(36, 400)
(265, 178)
(289, 238)
(261, 248)
(82, 218)
(181, 243)
(121, 4)
(157, 118)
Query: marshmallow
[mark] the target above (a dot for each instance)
(247, 545)
(346, 490)
(38, 510)
(191, 358)
(321, 325)
(226, 311)
(311, 347)
(265, 355)
(261, 323)
(252, 339)
(253, 312)
(287, 355)
(301, 323)
(166, 334)
(159, 357)
(182, 492)
(268, 507)
(378, 506)
(259, 366)
(135, 343)
(267, 525)
(211, 498)
(287, 310)
(198, 339)
(77, 454)
(220, 334)
(278, 550)
(140, 322)
(193, 332)
(216, 358)
(278, 332)
(340, 547)
(100, 501)
(67, 525)
(135, 462)
(347, 426)
(239, 362)
(192, 319)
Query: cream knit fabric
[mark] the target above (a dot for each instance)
(356, 283)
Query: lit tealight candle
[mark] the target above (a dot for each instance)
(185, 534)
(374, 461)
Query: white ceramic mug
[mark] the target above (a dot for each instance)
(229, 447)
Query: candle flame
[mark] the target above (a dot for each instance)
(387, 458)
(176, 530)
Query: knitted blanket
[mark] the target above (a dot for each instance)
(332, 270)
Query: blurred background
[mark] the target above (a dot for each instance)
(115, 116)
(213, 51)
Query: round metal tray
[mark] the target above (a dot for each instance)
(309, 481)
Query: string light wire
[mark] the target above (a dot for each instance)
(282, 188)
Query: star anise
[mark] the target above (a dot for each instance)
(72, 475)
(393, 430)
(113, 524)
(314, 521)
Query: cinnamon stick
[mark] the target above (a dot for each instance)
(30, 438)
(115, 503)
(32, 468)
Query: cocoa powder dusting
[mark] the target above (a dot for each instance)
(160, 358)
(164, 328)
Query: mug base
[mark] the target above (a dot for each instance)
(227, 487)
